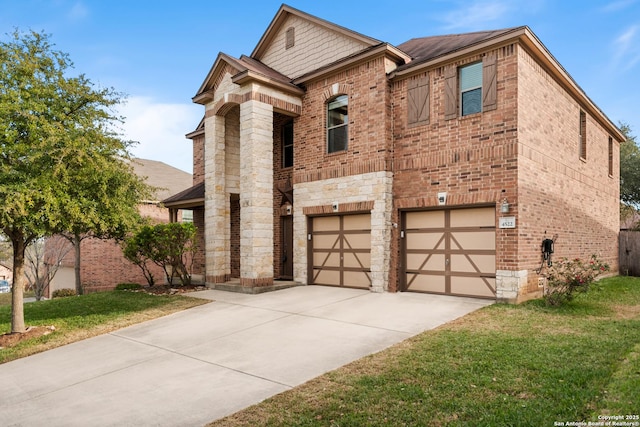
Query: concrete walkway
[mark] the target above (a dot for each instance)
(196, 366)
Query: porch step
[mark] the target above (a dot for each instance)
(233, 285)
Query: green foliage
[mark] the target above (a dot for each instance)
(89, 315)
(63, 167)
(62, 293)
(170, 246)
(567, 277)
(629, 168)
(128, 287)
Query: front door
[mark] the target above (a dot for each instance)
(286, 271)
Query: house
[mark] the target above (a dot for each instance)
(102, 264)
(6, 272)
(439, 165)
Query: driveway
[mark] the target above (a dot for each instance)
(193, 367)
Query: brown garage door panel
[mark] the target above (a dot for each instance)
(450, 251)
(341, 250)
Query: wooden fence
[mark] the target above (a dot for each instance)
(629, 253)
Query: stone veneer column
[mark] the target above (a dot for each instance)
(216, 210)
(256, 194)
(510, 285)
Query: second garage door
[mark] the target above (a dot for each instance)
(340, 250)
(450, 252)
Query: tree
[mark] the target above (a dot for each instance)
(43, 260)
(170, 246)
(105, 204)
(629, 168)
(54, 129)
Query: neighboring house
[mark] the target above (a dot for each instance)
(102, 264)
(6, 273)
(439, 165)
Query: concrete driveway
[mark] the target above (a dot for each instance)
(193, 367)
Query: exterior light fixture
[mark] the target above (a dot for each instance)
(504, 208)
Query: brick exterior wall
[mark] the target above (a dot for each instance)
(198, 159)
(525, 150)
(472, 158)
(102, 264)
(559, 193)
(282, 177)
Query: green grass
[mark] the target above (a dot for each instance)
(81, 317)
(502, 365)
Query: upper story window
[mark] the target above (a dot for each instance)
(337, 124)
(287, 145)
(471, 89)
(583, 135)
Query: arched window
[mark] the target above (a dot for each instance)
(337, 124)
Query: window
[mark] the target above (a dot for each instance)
(187, 215)
(471, 89)
(583, 135)
(610, 156)
(337, 124)
(287, 145)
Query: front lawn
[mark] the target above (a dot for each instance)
(503, 365)
(80, 317)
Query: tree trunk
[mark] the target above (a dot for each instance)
(76, 246)
(17, 298)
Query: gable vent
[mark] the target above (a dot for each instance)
(290, 38)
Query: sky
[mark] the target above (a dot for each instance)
(158, 52)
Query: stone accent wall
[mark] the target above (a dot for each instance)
(256, 192)
(216, 202)
(314, 47)
(354, 189)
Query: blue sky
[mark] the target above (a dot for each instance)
(158, 52)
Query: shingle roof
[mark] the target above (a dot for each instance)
(167, 179)
(426, 48)
(190, 194)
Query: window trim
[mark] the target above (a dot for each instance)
(480, 86)
(330, 128)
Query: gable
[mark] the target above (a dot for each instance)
(296, 43)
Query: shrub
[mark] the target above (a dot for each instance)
(128, 286)
(62, 293)
(567, 277)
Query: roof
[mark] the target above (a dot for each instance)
(192, 196)
(423, 49)
(166, 179)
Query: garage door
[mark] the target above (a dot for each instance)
(450, 252)
(340, 250)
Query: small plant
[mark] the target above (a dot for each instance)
(128, 286)
(62, 293)
(567, 277)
